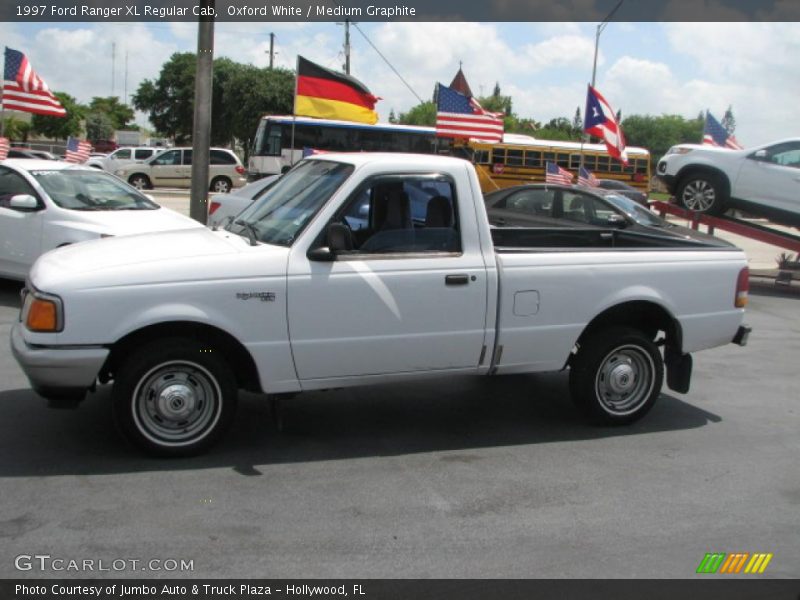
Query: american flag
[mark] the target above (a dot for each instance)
(555, 174)
(24, 90)
(587, 178)
(4, 146)
(460, 117)
(78, 151)
(714, 134)
(600, 122)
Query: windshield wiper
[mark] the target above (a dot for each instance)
(252, 234)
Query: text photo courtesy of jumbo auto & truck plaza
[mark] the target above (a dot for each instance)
(386, 300)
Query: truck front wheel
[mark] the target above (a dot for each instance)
(703, 193)
(174, 397)
(616, 376)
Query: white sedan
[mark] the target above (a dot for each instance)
(223, 207)
(46, 204)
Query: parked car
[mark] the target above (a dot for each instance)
(122, 157)
(46, 204)
(290, 299)
(22, 153)
(622, 188)
(546, 205)
(104, 146)
(763, 181)
(173, 168)
(223, 207)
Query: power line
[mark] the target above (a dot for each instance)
(396, 72)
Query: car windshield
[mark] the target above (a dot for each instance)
(635, 211)
(83, 189)
(281, 215)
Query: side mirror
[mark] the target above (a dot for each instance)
(759, 154)
(23, 202)
(321, 254)
(616, 221)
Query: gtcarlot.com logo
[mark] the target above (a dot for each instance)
(734, 563)
(46, 562)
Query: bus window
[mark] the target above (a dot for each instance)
(562, 160)
(498, 156)
(481, 157)
(641, 165)
(549, 157)
(514, 158)
(590, 162)
(574, 161)
(272, 143)
(602, 163)
(616, 166)
(533, 159)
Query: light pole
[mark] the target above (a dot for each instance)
(600, 29)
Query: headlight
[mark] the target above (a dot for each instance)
(679, 150)
(43, 312)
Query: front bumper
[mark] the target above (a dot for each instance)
(57, 373)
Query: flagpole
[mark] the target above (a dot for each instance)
(294, 106)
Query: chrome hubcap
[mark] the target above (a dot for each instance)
(625, 380)
(699, 195)
(177, 402)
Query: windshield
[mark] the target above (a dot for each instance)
(81, 189)
(281, 215)
(635, 211)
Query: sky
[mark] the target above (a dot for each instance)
(642, 68)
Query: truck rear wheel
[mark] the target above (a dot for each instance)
(174, 397)
(616, 376)
(703, 193)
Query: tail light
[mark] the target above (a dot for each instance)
(212, 208)
(742, 288)
(240, 170)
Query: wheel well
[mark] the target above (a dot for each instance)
(690, 170)
(131, 176)
(239, 359)
(648, 317)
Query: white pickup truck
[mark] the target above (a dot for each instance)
(365, 268)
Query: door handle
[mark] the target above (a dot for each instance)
(456, 279)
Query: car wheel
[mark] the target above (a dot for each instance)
(139, 181)
(703, 193)
(616, 376)
(221, 185)
(174, 397)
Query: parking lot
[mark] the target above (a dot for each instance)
(463, 478)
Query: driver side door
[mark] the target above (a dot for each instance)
(20, 230)
(772, 179)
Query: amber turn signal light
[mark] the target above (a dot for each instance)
(42, 315)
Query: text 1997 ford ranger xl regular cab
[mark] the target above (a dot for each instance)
(365, 268)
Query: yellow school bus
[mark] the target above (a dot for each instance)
(522, 159)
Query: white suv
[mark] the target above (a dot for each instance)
(122, 157)
(764, 181)
(173, 168)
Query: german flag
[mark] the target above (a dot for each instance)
(329, 95)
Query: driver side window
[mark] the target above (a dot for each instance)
(13, 184)
(397, 215)
(786, 155)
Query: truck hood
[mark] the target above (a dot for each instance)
(152, 258)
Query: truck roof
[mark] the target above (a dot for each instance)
(416, 161)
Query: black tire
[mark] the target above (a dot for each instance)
(221, 185)
(703, 193)
(140, 181)
(174, 397)
(616, 376)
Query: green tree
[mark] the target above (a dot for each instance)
(560, 128)
(248, 94)
(169, 100)
(99, 126)
(60, 128)
(392, 116)
(658, 134)
(423, 114)
(118, 113)
(577, 121)
(729, 121)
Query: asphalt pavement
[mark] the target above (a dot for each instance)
(495, 478)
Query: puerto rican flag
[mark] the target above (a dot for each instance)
(601, 122)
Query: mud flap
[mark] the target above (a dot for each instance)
(679, 370)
